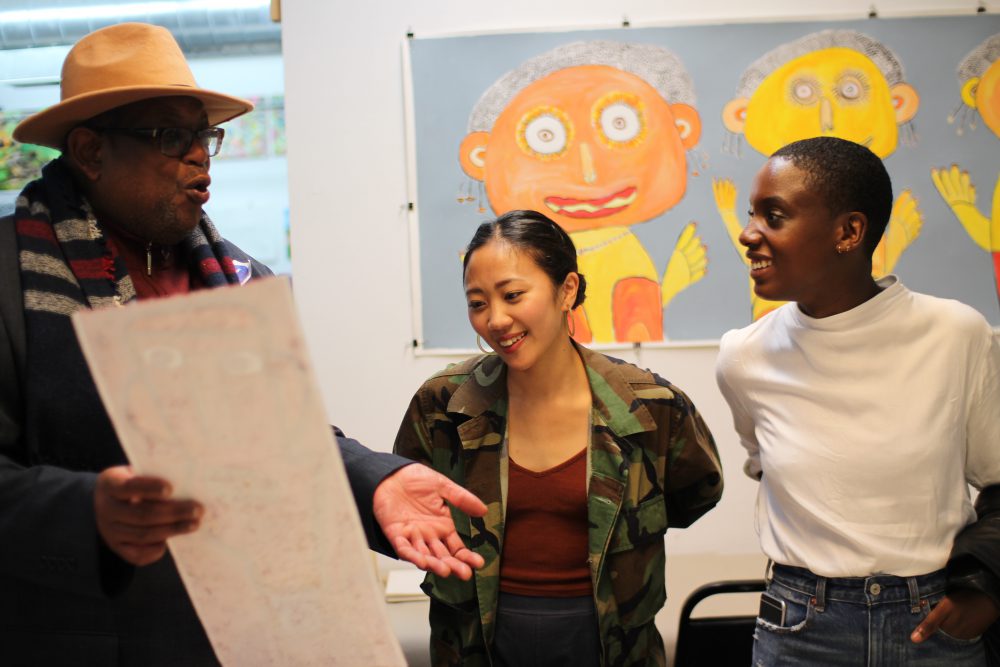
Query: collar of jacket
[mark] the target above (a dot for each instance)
(485, 389)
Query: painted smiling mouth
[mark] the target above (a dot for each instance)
(511, 341)
(592, 208)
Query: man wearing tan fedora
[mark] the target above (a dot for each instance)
(85, 577)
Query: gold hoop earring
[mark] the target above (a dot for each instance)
(570, 323)
(479, 344)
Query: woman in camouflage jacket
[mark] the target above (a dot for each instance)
(651, 462)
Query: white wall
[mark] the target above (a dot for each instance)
(347, 188)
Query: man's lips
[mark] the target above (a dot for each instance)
(197, 189)
(592, 208)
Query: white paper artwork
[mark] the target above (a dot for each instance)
(214, 392)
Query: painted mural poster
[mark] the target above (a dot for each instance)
(979, 80)
(642, 144)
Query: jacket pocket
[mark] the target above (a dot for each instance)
(636, 562)
(454, 619)
(640, 525)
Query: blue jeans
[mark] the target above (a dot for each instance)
(857, 622)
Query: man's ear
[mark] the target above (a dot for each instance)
(688, 124)
(905, 101)
(84, 150)
(734, 114)
(472, 154)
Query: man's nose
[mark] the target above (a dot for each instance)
(197, 154)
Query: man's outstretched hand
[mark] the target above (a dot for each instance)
(410, 507)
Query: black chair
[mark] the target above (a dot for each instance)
(718, 641)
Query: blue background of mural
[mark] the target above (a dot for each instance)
(449, 75)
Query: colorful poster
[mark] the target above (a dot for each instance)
(643, 143)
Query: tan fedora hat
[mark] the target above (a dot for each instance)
(119, 65)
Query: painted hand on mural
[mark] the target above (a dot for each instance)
(594, 135)
(979, 77)
(688, 264)
(838, 83)
(725, 193)
(956, 188)
(903, 228)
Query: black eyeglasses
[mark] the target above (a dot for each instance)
(175, 141)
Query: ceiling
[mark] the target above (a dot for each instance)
(201, 27)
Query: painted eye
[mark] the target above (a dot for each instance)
(545, 134)
(851, 88)
(620, 122)
(244, 363)
(804, 91)
(163, 357)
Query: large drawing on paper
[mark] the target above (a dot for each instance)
(214, 392)
(643, 143)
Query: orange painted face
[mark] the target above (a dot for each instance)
(589, 146)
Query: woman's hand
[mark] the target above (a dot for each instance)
(962, 615)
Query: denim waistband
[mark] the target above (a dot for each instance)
(873, 589)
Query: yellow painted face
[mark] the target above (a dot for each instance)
(834, 92)
(589, 146)
(988, 97)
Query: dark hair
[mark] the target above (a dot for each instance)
(533, 233)
(848, 176)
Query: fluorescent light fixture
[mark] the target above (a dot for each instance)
(131, 9)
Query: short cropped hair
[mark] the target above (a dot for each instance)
(848, 176)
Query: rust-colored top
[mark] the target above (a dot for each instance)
(545, 539)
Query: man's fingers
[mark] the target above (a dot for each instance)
(458, 549)
(463, 499)
(152, 488)
(471, 558)
(150, 535)
(438, 567)
(405, 551)
(438, 549)
(141, 555)
(154, 513)
(121, 484)
(458, 568)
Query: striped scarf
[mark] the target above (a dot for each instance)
(67, 264)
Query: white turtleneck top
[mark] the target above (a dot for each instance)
(864, 428)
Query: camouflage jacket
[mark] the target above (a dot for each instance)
(652, 464)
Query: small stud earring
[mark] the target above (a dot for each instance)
(841, 249)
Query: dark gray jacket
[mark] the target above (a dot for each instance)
(64, 597)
